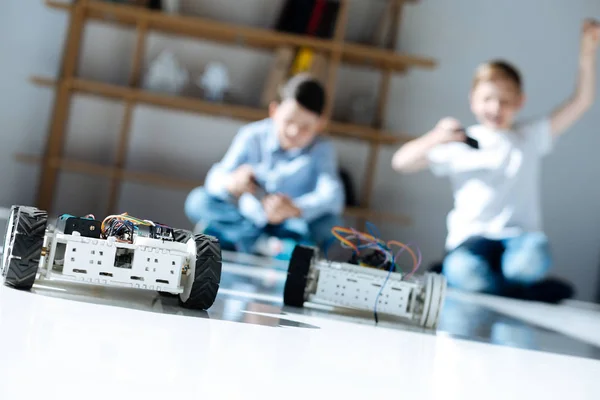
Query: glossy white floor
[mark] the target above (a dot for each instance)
(76, 342)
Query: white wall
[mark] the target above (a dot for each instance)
(460, 34)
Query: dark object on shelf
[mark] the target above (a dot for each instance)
(155, 4)
(138, 3)
(312, 17)
(295, 16)
(329, 16)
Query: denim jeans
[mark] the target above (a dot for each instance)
(235, 232)
(494, 266)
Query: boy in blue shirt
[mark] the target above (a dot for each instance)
(278, 180)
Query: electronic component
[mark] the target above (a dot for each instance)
(87, 227)
(162, 232)
(373, 259)
(156, 231)
(143, 230)
(124, 227)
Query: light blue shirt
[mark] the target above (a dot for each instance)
(309, 176)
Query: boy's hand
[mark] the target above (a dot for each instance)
(241, 181)
(590, 37)
(279, 208)
(448, 130)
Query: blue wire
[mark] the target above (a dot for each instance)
(371, 225)
(371, 228)
(392, 267)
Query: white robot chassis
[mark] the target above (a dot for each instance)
(417, 300)
(167, 260)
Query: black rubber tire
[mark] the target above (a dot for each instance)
(297, 274)
(23, 260)
(207, 275)
(181, 235)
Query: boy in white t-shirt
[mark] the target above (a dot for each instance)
(495, 237)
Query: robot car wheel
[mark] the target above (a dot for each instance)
(295, 284)
(201, 291)
(23, 246)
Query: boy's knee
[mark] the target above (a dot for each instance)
(466, 271)
(527, 258)
(197, 203)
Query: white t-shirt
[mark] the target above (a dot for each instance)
(496, 187)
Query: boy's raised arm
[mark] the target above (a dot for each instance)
(413, 156)
(583, 98)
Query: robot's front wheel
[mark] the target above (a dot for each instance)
(23, 246)
(202, 286)
(435, 292)
(297, 275)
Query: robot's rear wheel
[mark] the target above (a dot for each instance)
(201, 291)
(297, 275)
(182, 235)
(23, 246)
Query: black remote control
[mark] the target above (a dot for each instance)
(472, 142)
(260, 191)
(469, 141)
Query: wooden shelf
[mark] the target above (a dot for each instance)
(335, 51)
(336, 129)
(247, 36)
(87, 168)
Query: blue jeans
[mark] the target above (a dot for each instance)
(235, 232)
(494, 266)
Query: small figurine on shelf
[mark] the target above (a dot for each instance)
(166, 74)
(214, 81)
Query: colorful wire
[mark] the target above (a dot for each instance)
(371, 241)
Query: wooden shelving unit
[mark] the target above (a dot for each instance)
(68, 83)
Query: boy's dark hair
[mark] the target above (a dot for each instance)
(307, 91)
(498, 69)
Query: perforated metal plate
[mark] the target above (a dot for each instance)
(358, 290)
(147, 267)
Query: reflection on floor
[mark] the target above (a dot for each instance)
(251, 292)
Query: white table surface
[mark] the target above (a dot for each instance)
(70, 342)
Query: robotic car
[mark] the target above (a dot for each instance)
(416, 299)
(119, 251)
